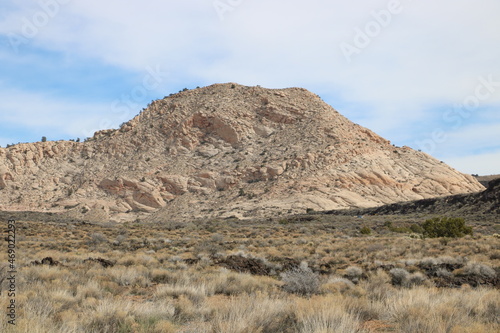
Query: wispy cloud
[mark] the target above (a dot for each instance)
(482, 164)
(43, 115)
(470, 139)
(424, 61)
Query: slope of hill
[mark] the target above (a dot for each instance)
(485, 202)
(219, 151)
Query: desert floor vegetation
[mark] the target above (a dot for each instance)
(298, 274)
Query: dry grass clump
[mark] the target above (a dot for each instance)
(432, 310)
(231, 283)
(126, 316)
(130, 276)
(253, 313)
(479, 270)
(301, 280)
(379, 287)
(325, 314)
(400, 277)
(336, 284)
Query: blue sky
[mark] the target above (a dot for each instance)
(420, 73)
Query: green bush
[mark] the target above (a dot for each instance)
(365, 231)
(416, 228)
(445, 227)
(388, 224)
(401, 230)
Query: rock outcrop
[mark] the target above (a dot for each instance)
(220, 151)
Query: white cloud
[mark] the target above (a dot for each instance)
(56, 118)
(482, 164)
(430, 55)
(428, 52)
(469, 139)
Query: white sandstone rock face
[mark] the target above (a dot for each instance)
(224, 150)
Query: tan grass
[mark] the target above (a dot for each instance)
(148, 291)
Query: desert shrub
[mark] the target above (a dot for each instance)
(444, 241)
(195, 293)
(430, 262)
(130, 276)
(479, 270)
(353, 273)
(254, 313)
(365, 230)
(378, 286)
(398, 276)
(208, 247)
(185, 310)
(301, 280)
(401, 230)
(416, 228)
(415, 279)
(362, 309)
(109, 317)
(328, 314)
(120, 239)
(495, 255)
(164, 326)
(445, 227)
(337, 284)
(388, 224)
(96, 238)
(443, 272)
(417, 319)
(401, 277)
(90, 289)
(232, 283)
(161, 275)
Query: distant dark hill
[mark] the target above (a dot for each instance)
(485, 180)
(485, 202)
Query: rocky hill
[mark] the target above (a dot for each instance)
(220, 151)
